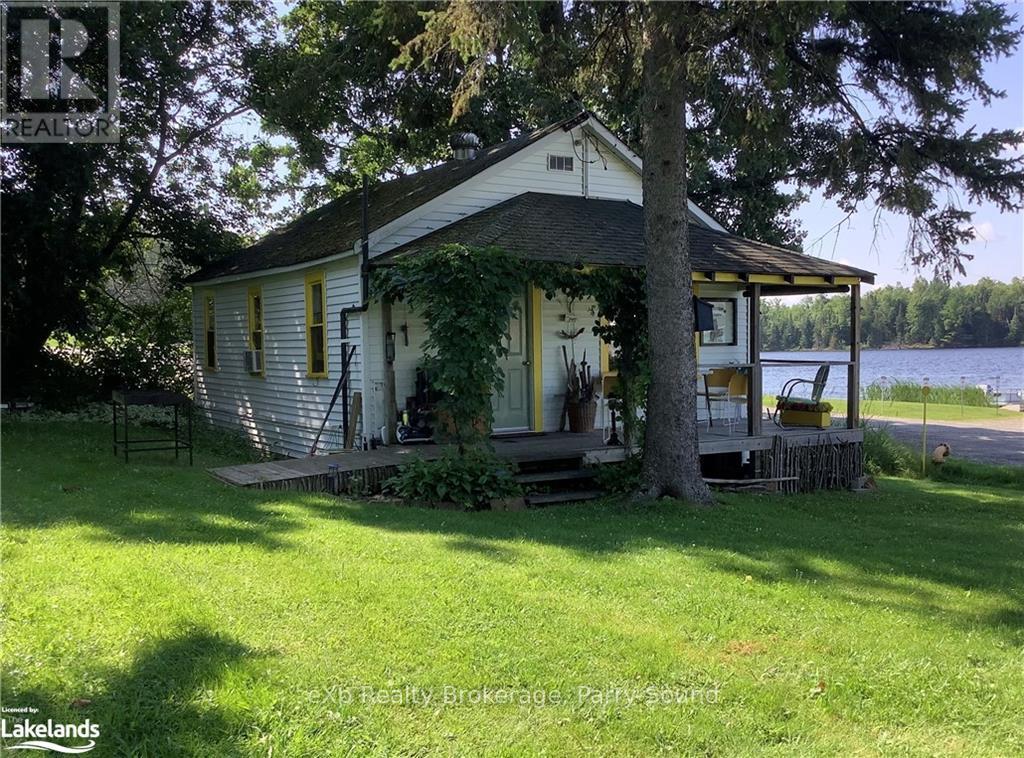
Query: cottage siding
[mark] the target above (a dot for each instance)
(563, 315)
(526, 171)
(609, 178)
(281, 410)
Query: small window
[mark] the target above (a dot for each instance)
(210, 328)
(560, 163)
(316, 331)
(256, 321)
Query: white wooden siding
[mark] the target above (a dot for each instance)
(281, 410)
(526, 171)
(555, 318)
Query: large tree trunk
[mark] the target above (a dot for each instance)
(671, 459)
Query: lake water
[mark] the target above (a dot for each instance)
(1001, 367)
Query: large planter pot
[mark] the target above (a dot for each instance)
(581, 416)
(806, 418)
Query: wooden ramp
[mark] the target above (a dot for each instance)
(335, 472)
(327, 472)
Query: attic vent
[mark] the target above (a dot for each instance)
(560, 163)
(464, 146)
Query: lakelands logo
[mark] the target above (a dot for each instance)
(59, 71)
(41, 735)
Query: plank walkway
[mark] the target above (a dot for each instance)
(313, 474)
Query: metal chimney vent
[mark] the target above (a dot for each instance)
(464, 146)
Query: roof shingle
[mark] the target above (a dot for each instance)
(335, 227)
(588, 231)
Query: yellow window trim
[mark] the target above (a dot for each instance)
(316, 277)
(254, 292)
(209, 304)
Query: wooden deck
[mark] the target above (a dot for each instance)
(325, 473)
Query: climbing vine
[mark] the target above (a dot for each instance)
(621, 321)
(466, 296)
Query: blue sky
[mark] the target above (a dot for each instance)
(998, 246)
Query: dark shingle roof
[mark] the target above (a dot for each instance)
(579, 230)
(335, 227)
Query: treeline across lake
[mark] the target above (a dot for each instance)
(986, 314)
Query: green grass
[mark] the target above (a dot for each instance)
(912, 411)
(971, 472)
(197, 619)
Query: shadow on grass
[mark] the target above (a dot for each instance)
(887, 542)
(960, 536)
(64, 473)
(156, 707)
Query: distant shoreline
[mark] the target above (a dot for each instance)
(895, 347)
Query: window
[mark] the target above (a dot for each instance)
(560, 163)
(256, 322)
(316, 331)
(210, 328)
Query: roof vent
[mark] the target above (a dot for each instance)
(464, 146)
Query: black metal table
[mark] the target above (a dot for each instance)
(124, 399)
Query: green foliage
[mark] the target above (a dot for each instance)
(863, 102)
(466, 297)
(228, 445)
(470, 480)
(959, 471)
(883, 454)
(985, 314)
(620, 478)
(77, 215)
(228, 621)
(911, 392)
(138, 334)
(621, 299)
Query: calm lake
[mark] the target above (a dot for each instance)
(1001, 367)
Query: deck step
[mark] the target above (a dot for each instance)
(563, 497)
(539, 465)
(544, 477)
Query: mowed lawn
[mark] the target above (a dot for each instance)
(185, 617)
(901, 409)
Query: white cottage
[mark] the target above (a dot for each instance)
(277, 323)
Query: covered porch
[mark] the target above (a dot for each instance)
(587, 233)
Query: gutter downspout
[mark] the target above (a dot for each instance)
(364, 304)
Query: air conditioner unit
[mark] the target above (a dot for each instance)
(253, 360)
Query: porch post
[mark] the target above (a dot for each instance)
(390, 406)
(853, 374)
(754, 389)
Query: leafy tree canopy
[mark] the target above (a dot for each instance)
(76, 215)
(861, 101)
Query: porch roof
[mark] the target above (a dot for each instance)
(588, 231)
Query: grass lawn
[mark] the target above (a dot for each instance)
(912, 411)
(185, 617)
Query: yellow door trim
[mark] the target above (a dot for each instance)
(536, 358)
